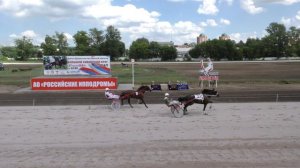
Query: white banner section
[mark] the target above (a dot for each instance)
(77, 65)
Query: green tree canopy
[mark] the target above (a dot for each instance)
(55, 45)
(139, 49)
(24, 48)
(82, 42)
(113, 45)
(96, 40)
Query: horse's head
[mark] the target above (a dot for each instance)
(210, 92)
(144, 89)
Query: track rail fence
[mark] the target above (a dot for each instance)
(151, 98)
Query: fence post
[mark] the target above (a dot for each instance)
(33, 102)
(277, 97)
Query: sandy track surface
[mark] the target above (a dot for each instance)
(231, 135)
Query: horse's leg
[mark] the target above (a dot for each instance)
(144, 102)
(185, 108)
(204, 107)
(129, 103)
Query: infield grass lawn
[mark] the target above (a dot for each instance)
(143, 74)
(19, 75)
(147, 73)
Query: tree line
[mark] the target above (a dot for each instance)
(278, 42)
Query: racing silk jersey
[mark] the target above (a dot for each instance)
(199, 96)
(167, 100)
(170, 102)
(111, 95)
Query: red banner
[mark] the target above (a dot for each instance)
(73, 83)
(209, 78)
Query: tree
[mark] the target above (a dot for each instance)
(216, 49)
(293, 41)
(153, 50)
(113, 45)
(198, 51)
(168, 53)
(24, 48)
(253, 49)
(9, 51)
(139, 49)
(276, 39)
(96, 40)
(55, 45)
(82, 42)
(62, 43)
(49, 46)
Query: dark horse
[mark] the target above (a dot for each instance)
(138, 94)
(203, 98)
(59, 61)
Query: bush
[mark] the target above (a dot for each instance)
(3, 58)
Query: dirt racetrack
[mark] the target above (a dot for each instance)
(76, 129)
(256, 135)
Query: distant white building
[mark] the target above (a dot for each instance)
(182, 52)
(201, 38)
(171, 43)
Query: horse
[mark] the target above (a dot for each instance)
(138, 94)
(203, 98)
(60, 61)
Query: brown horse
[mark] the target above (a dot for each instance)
(138, 94)
(191, 99)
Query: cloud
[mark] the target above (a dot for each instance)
(249, 6)
(298, 15)
(224, 21)
(36, 38)
(176, 0)
(208, 7)
(237, 37)
(209, 22)
(29, 33)
(294, 21)
(116, 15)
(229, 2)
(284, 2)
(179, 32)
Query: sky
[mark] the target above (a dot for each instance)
(180, 21)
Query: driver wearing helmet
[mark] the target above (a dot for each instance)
(168, 101)
(110, 95)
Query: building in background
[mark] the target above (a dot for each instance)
(182, 52)
(224, 37)
(169, 44)
(201, 38)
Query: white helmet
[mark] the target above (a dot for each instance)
(106, 89)
(166, 94)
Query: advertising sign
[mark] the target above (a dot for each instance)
(88, 83)
(209, 78)
(77, 65)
